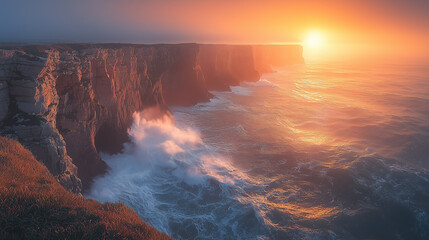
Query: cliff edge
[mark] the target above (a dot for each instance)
(34, 206)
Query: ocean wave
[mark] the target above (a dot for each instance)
(177, 183)
(219, 102)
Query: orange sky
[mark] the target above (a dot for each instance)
(390, 28)
(393, 28)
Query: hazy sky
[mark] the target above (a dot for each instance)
(393, 25)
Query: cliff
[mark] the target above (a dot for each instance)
(66, 103)
(34, 206)
(28, 110)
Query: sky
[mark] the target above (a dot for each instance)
(394, 28)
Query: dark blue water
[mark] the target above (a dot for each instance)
(308, 152)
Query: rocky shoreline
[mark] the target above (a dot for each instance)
(68, 102)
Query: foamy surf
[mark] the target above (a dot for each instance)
(261, 83)
(176, 182)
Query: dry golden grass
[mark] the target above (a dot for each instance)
(34, 206)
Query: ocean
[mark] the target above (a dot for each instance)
(314, 151)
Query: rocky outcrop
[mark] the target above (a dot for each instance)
(28, 111)
(72, 101)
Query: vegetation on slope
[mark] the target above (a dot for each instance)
(34, 206)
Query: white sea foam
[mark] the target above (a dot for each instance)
(262, 83)
(240, 90)
(165, 164)
(221, 102)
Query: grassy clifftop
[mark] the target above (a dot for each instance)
(33, 205)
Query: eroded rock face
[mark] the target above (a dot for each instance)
(28, 111)
(227, 65)
(66, 103)
(99, 91)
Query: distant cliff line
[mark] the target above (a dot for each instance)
(68, 102)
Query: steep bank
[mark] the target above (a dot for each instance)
(34, 206)
(68, 102)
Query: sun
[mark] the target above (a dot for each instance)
(313, 39)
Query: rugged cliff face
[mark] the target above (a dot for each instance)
(28, 109)
(225, 66)
(66, 103)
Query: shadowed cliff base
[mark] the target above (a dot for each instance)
(34, 206)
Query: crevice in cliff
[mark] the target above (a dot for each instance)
(109, 140)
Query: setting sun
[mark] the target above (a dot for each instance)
(316, 45)
(313, 39)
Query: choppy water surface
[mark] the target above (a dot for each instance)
(308, 152)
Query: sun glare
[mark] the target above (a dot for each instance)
(316, 45)
(313, 39)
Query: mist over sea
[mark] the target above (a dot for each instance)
(315, 151)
